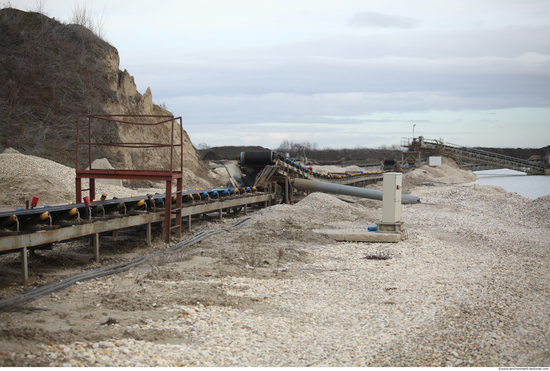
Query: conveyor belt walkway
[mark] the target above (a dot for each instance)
(477, 155)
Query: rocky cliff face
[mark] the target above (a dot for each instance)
(128, 101)
(51, 72)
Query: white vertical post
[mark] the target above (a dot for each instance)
(391, 197)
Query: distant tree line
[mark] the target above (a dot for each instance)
(344, 156)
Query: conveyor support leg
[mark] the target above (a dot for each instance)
(167, 211)
(24, 267)
(95, 241)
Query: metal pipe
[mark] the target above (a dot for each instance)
(311, 185)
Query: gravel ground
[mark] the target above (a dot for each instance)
(469, 286)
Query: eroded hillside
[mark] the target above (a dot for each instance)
(51, 72)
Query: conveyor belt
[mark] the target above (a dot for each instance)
(203, 194)
(479, 156)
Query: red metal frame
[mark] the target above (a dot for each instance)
(168, 176)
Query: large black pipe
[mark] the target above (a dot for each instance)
(311, 185)
(257, 158)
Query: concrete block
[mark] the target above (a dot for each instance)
(390, 227)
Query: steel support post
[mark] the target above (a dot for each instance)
(179, 200)
(189, 223)
(95, 241)
(92, 189)
(220, 214)
(148, 234)
(78, 182)
(287, 185)
(167, 211)
(24, 267)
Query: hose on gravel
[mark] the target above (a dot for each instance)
(30, 295)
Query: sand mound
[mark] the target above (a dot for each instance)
(11, 151)
(316, 210)
(449, 172)
(22, 177)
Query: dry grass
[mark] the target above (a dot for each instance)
(250, 256)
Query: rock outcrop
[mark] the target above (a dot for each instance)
(129, 101)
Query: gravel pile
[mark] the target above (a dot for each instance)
(447, 173)
(318, 210)
(469, 286)
(23, 176)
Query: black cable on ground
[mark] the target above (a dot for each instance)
(27, 296)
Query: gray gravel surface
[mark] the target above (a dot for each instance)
(469, 286)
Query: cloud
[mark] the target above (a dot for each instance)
(487, 79)
(319, 109)
(324, 89)
(511, 62)
(379, 20)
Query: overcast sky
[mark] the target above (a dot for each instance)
(340, 73)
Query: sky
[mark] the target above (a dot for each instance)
(338, 73)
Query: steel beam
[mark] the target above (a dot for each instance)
(18, 242)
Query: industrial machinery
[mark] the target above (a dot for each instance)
(494, 160)
(261, 167)
(262, 179)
